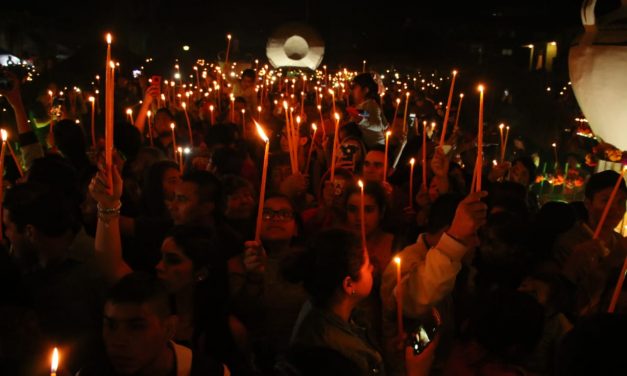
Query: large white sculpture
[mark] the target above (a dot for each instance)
(295, 45)
(598, 72)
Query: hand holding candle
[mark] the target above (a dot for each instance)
(479, 163)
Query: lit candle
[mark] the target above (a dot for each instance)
(149, 115)
(4, 135)
(424, 155)
(363, 68)
(411, 181)
(54, 364)
(501, 127)
(302, 103)
(332, 98)
(172, 126)
(385, 158)
(93, 121)
(505, 142)
(362, 215)
(262, 190)
(609, 203)
(479, 163)
(448, 109)
(189, 124)
(459, 111)
(399, 301)
(335, 142)
(211, 108)
(232, 108)
(228, 49)
(554, 145)
(129, 113)
(15, 160)
(311, 147)
(398, 104)
(288, 135)
(619, 286)
(324, 132)
(244, 123)
(180, 158)
(259, 113)
(109, 97)
(405, 113)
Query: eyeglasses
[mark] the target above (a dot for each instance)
(279, 215)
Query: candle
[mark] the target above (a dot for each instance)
(405, 113)
(189, 124)
(362, 215)
(608, 205)
(411, 181)
(363, 68)
(448, 109)
(302, 103)
(211, 108)
(180, 158)
(311, 147)
(262, 190)
(172, 126)
(288, 135)
(332, 98)
(259, 113)
(109, 97)
(398, 104)
(149, 115)
(15, 160)
(385, 158)
(54, 364)
(554, 145)
(459, 111)
(232, 97)
(619, 286)
(335, 142)
(505, 142)
(324, 132)
(129, 113)
(228, 49)
(4, 135)
(501, 126)
(244, 123)
(399, 301)
(479, 163)
(424, 155)
(93, 122)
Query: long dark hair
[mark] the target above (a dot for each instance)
(366, 81)
(153, 197)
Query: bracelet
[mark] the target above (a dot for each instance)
(114, 210)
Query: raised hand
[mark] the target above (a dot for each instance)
(254, 257)
(471, 214)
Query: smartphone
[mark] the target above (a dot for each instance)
(421, 338)
(155, 81)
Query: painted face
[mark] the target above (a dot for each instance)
(175, 268)
(134, 336)
(371, 213)
(278, 220)
(373, 166)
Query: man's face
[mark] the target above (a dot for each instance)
(373, 166)
(19, 242)
(240, 204)
(597, 205)
(187, 208)
(171, 178)
(134, 336)
(247, 82)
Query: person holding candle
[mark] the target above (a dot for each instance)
(370, 117)
(336, 273)
(430, 266)
(592, 265)
(245, 88)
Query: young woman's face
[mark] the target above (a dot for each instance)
(278, 220)
(371, 213)
(175, 268)
(359, 93)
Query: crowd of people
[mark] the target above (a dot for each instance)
(158, 268)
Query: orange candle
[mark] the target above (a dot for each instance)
(448, 109)
(505, 142)
(93, 121)
(232, 108)
(399, 297)
(411, 181)
(501, 127)
(149, 115)
(424, 155)
(398, 104)
(608, 205)
(362, 215)
(619, 287)
(262, 190)
(213, 120)
(172, 126)
(15, 160)
(180, 158)
(332, 98)
(54, 363)
(385, 159)
(335, 142)
(259, 113)
(2, 153)
(110, 88)
(479, 163)
(228, 49)
(311, 147)
(459, 111)
(302, 103)
(189, 124)
(324, 132)
(129, 113)
(288, 135)
(405, 113)
(244, 123)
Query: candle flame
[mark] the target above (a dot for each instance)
(149, 113)
(243, 111)
(297, 119)
(501, 126)
(507, 127)
(211, 108)
(331, 92)
(228, 36)
(180, 149)
(4, 133)
(480, 88)
(187, 150)
(554, 145)
(461, 95)
(407, 94)
(412, 161)
(112, 65)
(494, 162)
(314, 127)
(319, 107)
(55, 360)
(50, 93)
(397, 260)
(259, 108)
(398, 101)
(172, 125)
(360, 184)
(92, 99)
(336, 116)
(388, 133)
(262, 134)
(129, 111)
(184, 105)
(454, 72)
(285, 105)
(108, 38)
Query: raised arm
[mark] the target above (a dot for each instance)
(151, 95)
(108, 241)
